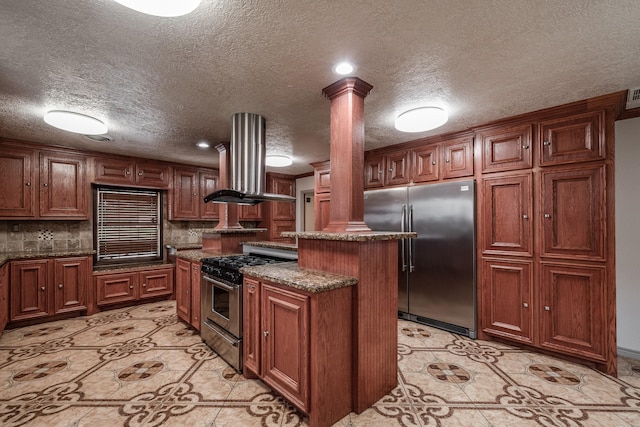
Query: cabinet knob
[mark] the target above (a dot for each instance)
(547, 308)
(59, 285)
(380, 172)
(127, 173)
(447, 160)
(45, 185)
(195, 194)
(547, 215)
(526, 147)
(140, 173)
(525, 216)
(130, 286)
(525, 305)
(546, 143)
(42, 288)
(144, 285)
(28, 184)
(433, 163)
(266, 333)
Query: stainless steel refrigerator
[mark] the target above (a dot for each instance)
(436, 283)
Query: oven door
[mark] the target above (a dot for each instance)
(222, 305)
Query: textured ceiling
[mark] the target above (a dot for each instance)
(163, 84)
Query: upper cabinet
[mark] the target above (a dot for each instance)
(425, 163)
(129, 172)
(506, 149)
(60, 178)
(279, 216)
(457, 156)
(190, 186)
(576, 138)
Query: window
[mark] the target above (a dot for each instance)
(128, 225)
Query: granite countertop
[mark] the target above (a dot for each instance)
(195, 255)
(350, 237)
(133, 267)
(234, 230)
(289, 274)
(4, 257)
(183, 246)
(272, 245)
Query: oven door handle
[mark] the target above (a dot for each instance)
(233, 289)
(221, 335)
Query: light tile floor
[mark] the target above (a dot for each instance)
(140, 366)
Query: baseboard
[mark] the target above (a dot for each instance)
(625, 352)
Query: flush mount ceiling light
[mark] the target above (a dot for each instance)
(421, 119)
(278, 160)
(343, 68)
(75, 122)
(164, 8)
(203, 144)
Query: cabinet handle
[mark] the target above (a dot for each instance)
(42, 288)
(525, 305)
(547, 215)
(547, 308)
(59, 285)
(45, 185)
(526, 147)
(433, 163)
(547, 143)
(525, 216)
(28, 184)
(127, 173)
(266, 333)
(140, 173)
(144, 285)
(195, 194)
(130, 286)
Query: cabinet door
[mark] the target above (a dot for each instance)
(71, 279)
(573, 213)
(4, 297)
(64, 188)
(209, 182)
(155, 283)
(322, 211)
(284, 210)
(507, 299)
(506, 149)
(251, 213)
(251, 321)
(573, 306)
(574, 139)
(277, 227)
(114, 171)
(116, 288)
(29, 293)
(458, 158)
(183, 289)
(322, 178)
(285, 362)
(507, 215)
(374, 168)
(398, 168)
(186, 190)
(196, 269)
(425, 164)
(18, 177)
(153, 175)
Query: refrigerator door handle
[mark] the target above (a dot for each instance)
(402, 228)
(410, 242)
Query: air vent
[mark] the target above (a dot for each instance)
(99, 138)
(633, 98)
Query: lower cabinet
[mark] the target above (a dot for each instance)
(188, 291)
(300, 344)
(44, 287)
(128, 286)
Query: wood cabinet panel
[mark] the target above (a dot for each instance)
(572, 299)
(196, 268)
(285, 356)
(29, 292)
(153, 175)
(64, 188)
(322, 208)
(183, 289)
(72, 277)
(573, 213)
(457, 158)
(284, 210)
(18, 177)
(278, 227)
(156, 282)
(209, 182)
(572, 139)
(114, 171)
(508, 300)
(374, 168)
(250, 212)
(398, 166)
(425, 163)
(506, 149)
(4, 296)
(185, 194)
(252, 332)
(507, 215)
(116, 288)
(322, 178)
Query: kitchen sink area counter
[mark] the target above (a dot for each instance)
(196, 255)
(273, 245)
(12, 256)
(291, 275)
(349, 237)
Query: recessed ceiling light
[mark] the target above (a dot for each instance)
(278, 160)
(343, 68)
(165, 8)
(421, 119)
(203, 144)
(75, 122)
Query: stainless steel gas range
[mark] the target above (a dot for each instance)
(221, 306)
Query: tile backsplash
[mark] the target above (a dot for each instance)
(34, 236)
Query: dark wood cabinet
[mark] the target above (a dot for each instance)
(507, 215)
(572, 309)
(252, 334)
(71, 279)
(18, 177)
(188, 291)
(283, 210)
(425, 163)
(571, 139)
(196, 292)
(506, 149)
(29, 289)
(374, 168)
(156, 282)
(279, 216)
(508, 299)
(153, 175)
(209, 182)
(64, 188)
(190, 186)
(4, 296)
(250, 212)
(457, 158)
(130, 286)
(131, 172)
(393, 168)
(322, 211)
(322, 177)
(573, 213)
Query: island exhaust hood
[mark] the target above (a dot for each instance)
(247, 167)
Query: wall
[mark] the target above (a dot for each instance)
(302, 185)
(628, 236)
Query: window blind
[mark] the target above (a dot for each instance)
(128, 224)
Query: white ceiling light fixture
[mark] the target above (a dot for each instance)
(278, 160)
(164, 8)
(75, 122)
(421, 119)
(344, 68)
(203, 144)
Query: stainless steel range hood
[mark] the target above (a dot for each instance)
(247, 170)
